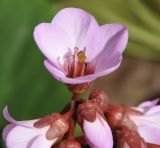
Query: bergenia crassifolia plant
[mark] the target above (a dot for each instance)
(78, 50)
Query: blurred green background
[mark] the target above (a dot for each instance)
(30, 91)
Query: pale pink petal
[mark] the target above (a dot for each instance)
(95, 45)
(20, 137)
(153, 110)
(148, 104)
(27, 123)
(42, 142)
(111, 55)
(6, 130)
(59, 75)
(53, 42)
(78, 24)
(98, 133)
(149, 130)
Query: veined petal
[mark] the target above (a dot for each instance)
(153, 110)
(111, 54)
(42, 142)
(95, 45)
(149, 130)
(148, 104)
(98, 133)
(20, 137)
(59, 75)
(6, 130)
(27, 123)
(78, 24)
(53, 42)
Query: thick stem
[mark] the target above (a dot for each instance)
(75, 96)
(71, 130)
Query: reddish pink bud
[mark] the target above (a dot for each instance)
(100, 97)
(131, 139)
(69, 144)
(88, 110)
(118, 116)
(57, 129)
(58, 125)
(114, 115)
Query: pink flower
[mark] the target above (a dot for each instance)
(36, 133)
(98, 133)
(148, 125)
(77, 49)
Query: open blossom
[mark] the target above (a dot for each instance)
(98, 133)
(33, 133)
(77, 49)
(148, 125)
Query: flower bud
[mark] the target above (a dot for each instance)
(129, 138)
(118, 116)
(88, 110)
(114, 115)
(69, 144)
(58, 125)
(100, 97)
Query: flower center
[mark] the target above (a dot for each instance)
(76, 65)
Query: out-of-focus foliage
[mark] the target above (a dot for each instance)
(141, 17)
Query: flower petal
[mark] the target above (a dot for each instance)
(98, 133)
(78, 24)
(53, 42)
(19, 137)
(148, 104)
(149, 130)
(101, 37)
(111, 55)
(42, 142)
(27, 123)
(6, 130)
(59, 75)
(154, 110)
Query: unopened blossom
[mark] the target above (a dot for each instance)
(96, 129)
(38, 133)
(148, 125)
(98, 133)
(77, 49)
(127, 138)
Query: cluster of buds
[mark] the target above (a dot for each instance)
(103, 125)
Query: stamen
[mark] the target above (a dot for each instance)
(75, 65)
(81, 56)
